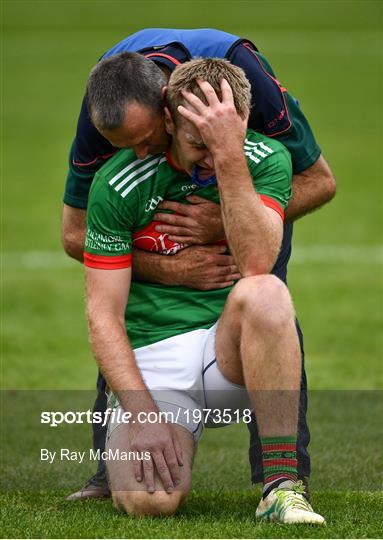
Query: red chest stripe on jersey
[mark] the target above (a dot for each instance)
(272, 203)
(171, 58)
(114, 262)
(148, 239)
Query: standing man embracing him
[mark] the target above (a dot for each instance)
(174, 350)
(141, 127)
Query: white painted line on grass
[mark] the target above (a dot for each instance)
(337, 254)
(321, 254)
(36, 260)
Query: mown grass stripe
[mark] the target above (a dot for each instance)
(325, 254)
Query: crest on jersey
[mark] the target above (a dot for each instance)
(148, 239)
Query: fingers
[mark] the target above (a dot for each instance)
(230, 271)
(173, 219)
(172, 465)
(219, 274)
(147, 465)
(178, 208)
(168, 462)
(212, 285)
(163, 471)
(196, 199)
(210, 93)
(227, 93)
(223, 273)
(217, 248)
(223, 260)
(217, 254)
(189, 115)
(185, 238)
(195, 102)
(223, 278)
(178, 450)
(184, 209)
(173, 232)
(218, 285)
(137, 468)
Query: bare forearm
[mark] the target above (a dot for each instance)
(113, 353)
(74, 231)
(154, 268)
(196, 267)
(116, 361)
(312, 188)
(252, 238)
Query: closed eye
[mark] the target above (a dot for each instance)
(200, 146)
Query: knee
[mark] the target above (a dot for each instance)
(265, 299)
(142, 503)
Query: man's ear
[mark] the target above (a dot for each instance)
(247, 115)
(169, 124)
(164, 89)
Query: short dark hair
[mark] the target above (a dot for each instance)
(118, 80)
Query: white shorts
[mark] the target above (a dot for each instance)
(182, 376)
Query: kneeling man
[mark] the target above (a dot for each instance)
(178, 351)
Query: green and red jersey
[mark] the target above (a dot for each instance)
(122, 202)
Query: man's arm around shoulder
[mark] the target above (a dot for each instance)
(312, 188)
(73, 230)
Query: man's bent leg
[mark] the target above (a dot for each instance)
(257, 344)
(303, 435)
(132, 496)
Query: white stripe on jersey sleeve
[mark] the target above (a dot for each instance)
(253, 149)
(121, 173)
(253, 158)
(266, 148)
(260, 144)
(141, 179)
(137, 172)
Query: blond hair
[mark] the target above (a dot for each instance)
(212, 70)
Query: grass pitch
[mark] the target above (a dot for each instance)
(328, 54)
(204, 515)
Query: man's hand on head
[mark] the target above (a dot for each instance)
(197, 223)
(218, 122)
